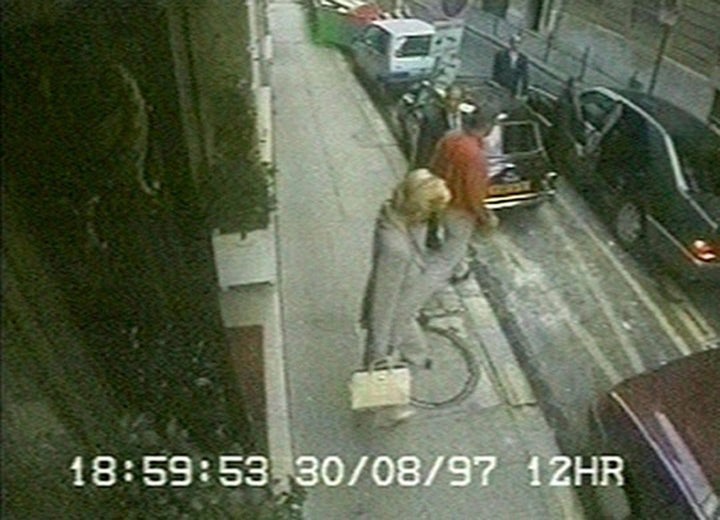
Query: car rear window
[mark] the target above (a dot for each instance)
(413, 46)
(519, 138)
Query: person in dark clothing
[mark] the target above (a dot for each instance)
(570, 127)
(460, 159)
(437, 120)
(570, 112)
(510, 68)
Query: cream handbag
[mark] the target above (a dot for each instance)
(385, 383)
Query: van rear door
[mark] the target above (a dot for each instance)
(411, 56)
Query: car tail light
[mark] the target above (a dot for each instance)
(704, 251)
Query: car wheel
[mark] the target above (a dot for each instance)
(630, 224)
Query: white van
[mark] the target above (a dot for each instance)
(397, 51)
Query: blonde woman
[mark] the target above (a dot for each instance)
(399, 261)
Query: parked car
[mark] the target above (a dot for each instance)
(665, 424)
(655, 171)
(520, 168)
(389, 50)
(393, 53)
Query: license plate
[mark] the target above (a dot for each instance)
(506, 189)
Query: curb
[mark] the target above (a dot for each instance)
(279, 443)
(504, 366)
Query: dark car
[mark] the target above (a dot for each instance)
(521, 172)
(656, 171)
(665, 424)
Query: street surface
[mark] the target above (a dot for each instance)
(578, 310)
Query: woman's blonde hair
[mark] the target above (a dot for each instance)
(420, 195)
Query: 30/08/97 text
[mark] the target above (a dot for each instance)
(384, 470)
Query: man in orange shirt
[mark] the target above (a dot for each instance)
(460, 160)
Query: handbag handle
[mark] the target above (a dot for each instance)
(388, 361)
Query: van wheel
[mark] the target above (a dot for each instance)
(630, 224)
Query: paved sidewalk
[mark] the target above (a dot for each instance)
(336, 163)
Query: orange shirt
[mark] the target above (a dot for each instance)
(460, 160)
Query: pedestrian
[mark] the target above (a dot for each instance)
(399, 261)
(460, 160)
(437, 119)
(510, 68)
(570, 127)
(570, 116)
